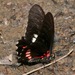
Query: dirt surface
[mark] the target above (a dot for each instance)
(13, 22)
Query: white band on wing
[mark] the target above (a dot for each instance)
(34, 38)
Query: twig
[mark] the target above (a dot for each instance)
(48, 64)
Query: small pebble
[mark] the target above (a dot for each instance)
(74, 41)
(2, 73)
(5, 21)
(9, 3)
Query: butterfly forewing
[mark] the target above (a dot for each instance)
(47, 31)
(35, 21)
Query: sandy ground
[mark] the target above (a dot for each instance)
(13, 22)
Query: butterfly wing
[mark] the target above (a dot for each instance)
(47, 32)
(45, 38)
(41, 27)
(35, 22)
(49, 29)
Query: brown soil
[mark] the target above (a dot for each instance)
(13, 22)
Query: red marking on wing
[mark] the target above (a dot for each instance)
(27, 54)
(24, 47)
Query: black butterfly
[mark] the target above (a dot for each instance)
(36, 46)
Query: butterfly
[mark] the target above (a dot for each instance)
(37, 44)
